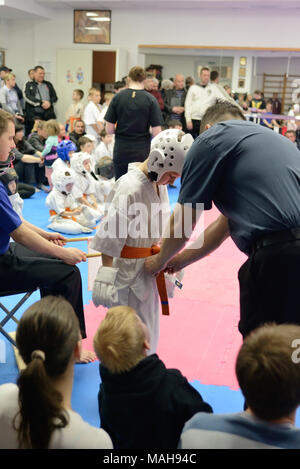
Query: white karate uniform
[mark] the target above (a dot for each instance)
(91, 115)
(59, 202)
(103, 150)
(85, 185)
(135, 286)
(17, 203)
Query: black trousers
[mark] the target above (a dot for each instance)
(129, 152)
(22, 268)
(269, 286)
(196, 128)
(25, 190)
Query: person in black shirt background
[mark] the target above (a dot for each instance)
(134, 111)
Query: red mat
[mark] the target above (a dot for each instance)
(200, 337)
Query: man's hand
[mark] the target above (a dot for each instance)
(178, 109)
(46, 105)
(72, 256)
(189, 125)
(153, 264)
(175, 264)
(55, 238)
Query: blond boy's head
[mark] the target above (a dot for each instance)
(122, 339)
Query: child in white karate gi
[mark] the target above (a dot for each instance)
(137, 210)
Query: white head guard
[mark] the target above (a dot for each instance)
(61, 178)
(77, 162)
(167, 153)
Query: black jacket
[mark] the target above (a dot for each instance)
(148, 406)
(33, 104)
(171, 100)
(36, 141)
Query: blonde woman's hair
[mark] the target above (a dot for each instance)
(8, 76)
(93, 91)
(52, 127)
(38, 125)
(119, 340)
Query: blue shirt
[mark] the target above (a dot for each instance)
(237, 431)
(9, 220)
(250, 173)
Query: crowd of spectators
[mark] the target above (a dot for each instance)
(182, 102)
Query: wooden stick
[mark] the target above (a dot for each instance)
(97, 254)
(73, 240)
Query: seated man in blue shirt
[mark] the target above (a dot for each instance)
(252, 176)
(268, 372)
(36, 258)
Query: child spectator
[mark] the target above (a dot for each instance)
(62, 133)
(92, 114)
(36, 413)
(79, 131)
(175, 124)
(67, 215)
(105, 147)
(142, 404)
(75, 110)
(49, 152)
(107, 100)
(269, 378)
(122, 279)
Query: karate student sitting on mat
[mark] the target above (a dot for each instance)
(66, 215)
(65, 150)
(137, 208)
(84, 189)
(142, 404)
(102, 185)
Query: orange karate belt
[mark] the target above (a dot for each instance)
(131, 252)
(53, 213)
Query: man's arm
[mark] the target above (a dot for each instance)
(173, 240)
(156, 130)
(110, 127)
(214, 235)
(33, 240)
(56, 238)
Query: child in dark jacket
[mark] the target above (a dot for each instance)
(142, 404)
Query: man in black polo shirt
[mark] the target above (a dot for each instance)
(252, 175)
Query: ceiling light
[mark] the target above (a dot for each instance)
(92, 28)
(100, 19)
(90, 13)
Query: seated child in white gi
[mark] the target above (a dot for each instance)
(66, 215)
(137, 210)
(10, 180)
(105, 147)
(84, 189)
(102, 185)
(65, 150)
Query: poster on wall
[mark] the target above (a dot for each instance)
(92, 26)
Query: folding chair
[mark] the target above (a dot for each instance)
(10, 314)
